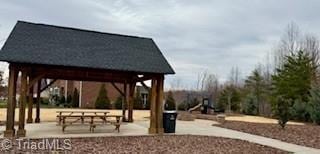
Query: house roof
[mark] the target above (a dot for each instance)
(63, 46)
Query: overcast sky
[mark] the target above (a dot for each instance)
(193, 35)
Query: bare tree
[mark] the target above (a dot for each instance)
(208, 84)
(234, 77)
(293, 41)
(289, 43)
(310, 44)
(202, 76)
(176, 84)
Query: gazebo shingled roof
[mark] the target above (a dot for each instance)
(41, 51)
(64, 46)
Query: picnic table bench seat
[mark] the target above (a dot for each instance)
(91, 119)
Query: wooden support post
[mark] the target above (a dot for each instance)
(131, 99)
(153, 109)
(11, 105)
(159, 105)
(30, 104)
(37, 120)
(22, 104)
(124, 102)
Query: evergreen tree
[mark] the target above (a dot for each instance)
(229, 93)
(3, 87)
(118, 103)
(256, 85)
(282, 110)
(68, 102)
(170, 103)
(293, 80)
(148, 101)
(291, 84)
(137, 102)
(75, 98)
(250, 105)
(314, 105)
(102, 101)
(299, 110)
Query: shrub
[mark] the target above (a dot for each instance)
(170, 103)
(44, 101)
(118, 103)
(102, 101)
(62, 100)
(75, 98)
(282, 110)
(299, 110)
(314, 105)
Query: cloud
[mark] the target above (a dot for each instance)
(202, 35)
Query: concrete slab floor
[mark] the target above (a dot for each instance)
(51, 130)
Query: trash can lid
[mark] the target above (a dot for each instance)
(170, 111)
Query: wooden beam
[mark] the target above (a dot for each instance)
(159, 104)
(153, 109)
(144, 78)
(30, 105)
(22, 104)
(117, 88)
(37, 120)
(144, 85)
(131, 99)
(35, 79)
(11, 105)
(48, 85)
(124, 101)
(85, 74)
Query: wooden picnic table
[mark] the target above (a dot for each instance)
(88, 118)
(60, 113)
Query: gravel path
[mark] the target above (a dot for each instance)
(164, 144)
(306, 135)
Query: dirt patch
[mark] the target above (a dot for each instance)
(306, 135)
(257, 119)
(163, 144)
(243, 118)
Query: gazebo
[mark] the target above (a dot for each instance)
(40, 51)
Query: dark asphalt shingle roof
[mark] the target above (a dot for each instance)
(63, 46)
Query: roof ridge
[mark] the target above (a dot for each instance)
(80, 29)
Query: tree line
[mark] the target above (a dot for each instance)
(286, 88)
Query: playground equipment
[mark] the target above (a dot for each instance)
(205, 107)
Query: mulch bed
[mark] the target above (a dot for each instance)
(306, 135)
(160, 144)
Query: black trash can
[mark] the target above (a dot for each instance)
(169, 121)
